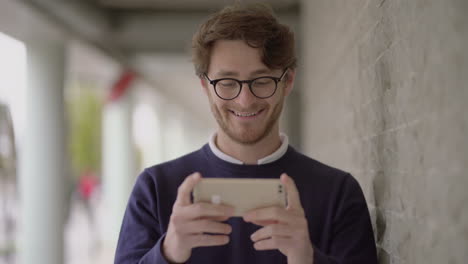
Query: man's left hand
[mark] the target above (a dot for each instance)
(285, 229)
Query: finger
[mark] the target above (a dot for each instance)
(265, 223)
(206, 226)
(292, 194)
(272, 231)
(184, 190)
(204, 240)
(272, 243)
(218, 218)
(208, 210)
(272, 214)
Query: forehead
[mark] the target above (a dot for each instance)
(236, 57)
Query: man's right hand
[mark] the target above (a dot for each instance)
(190, 222)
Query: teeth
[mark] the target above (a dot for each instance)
(245, 114)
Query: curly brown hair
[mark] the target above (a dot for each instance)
(256, 25)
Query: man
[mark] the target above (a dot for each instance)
(246, 63)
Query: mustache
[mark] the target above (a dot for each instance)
(253, 108)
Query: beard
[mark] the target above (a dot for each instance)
(246, 133)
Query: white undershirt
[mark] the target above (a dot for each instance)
(268, 159)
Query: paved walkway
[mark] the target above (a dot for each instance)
(83, 241)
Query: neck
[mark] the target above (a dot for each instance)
(249, 154)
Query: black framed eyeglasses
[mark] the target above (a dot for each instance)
(262, 87)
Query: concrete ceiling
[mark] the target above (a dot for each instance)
(126, 27)
(184, 5)
(167, 26)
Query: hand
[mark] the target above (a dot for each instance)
(190, 222)
(284, 229)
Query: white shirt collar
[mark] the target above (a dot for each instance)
(268, 159)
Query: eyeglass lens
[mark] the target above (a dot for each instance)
(261, 87)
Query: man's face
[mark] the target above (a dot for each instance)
(245, 119)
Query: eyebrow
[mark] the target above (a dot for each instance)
(223, 73)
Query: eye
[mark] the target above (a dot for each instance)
(227, 83)
(263, 82)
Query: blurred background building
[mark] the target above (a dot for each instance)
(93, 91)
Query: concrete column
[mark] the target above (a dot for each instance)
(42, 171)
(118, 163)
(291, 116)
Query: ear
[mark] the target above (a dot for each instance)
(289, 81)
(204, 84)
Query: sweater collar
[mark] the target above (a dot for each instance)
(265, 160)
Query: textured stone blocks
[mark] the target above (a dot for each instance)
(385, 88)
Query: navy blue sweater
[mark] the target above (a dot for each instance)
(335, 207)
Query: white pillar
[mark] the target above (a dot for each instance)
(41, 160)
(118, 163)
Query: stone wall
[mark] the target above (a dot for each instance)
(385, 97)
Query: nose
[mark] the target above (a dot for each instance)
(246, 97)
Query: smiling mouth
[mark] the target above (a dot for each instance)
(245, 114)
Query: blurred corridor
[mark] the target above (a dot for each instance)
(106, 87)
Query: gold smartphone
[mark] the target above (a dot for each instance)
(243, 194)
